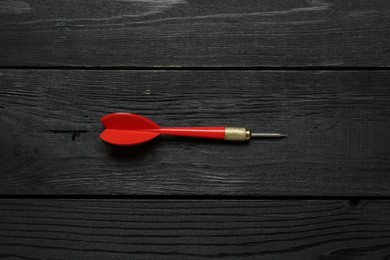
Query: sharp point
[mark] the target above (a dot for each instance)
(268, 135)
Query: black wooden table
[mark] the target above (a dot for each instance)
(317, 70)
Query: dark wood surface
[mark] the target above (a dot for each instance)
(337, 123)
(317, 70)
(195, 33)
(194, 229)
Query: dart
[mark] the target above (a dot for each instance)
(127, 129)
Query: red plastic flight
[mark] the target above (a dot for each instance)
(130, 129)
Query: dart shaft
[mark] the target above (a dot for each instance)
(217, 132)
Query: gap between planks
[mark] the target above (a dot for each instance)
(205, 68)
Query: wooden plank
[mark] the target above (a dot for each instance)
(195, 229)
(337, 123)
(194, 33)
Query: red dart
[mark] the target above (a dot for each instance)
(130, 129)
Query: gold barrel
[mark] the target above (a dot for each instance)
(237, 134)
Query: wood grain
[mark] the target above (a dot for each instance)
(195, 33)
(337, 123)
(194, 229)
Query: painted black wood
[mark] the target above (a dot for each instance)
(337, 123)
(194, 229)
(194, 33)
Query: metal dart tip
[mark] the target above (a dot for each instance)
(267, 135)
